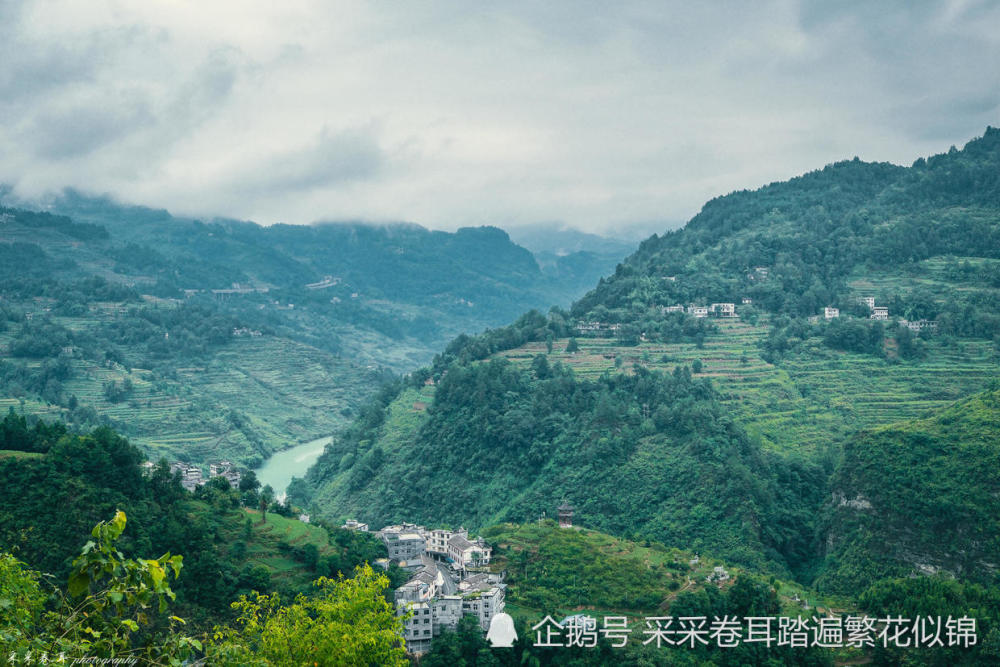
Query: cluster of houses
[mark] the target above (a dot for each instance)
(191, 476)
(437, 602)
(598, 327)
(877, 312)
(880, 313)
(724, 310)
(449, 579)
(245, 331)
(716, 309)
(407, 543)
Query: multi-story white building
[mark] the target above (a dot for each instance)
(484, 605)
(919, 325)
(409, 547)
(433, 610)
(418, 630)
(466, 553)
(831, 313)
(437, 540)
(879, 313)
(867, 301)
(723, 309)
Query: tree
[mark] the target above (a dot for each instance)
(572, 346)
(266, 496)
(349, 622)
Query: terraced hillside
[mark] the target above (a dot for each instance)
(864, 294)
(255, 395)
(813, 397)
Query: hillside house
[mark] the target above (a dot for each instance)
(698, 311)
(919, 325)
(226, 470)
(831, 313)
(867, 301)
(879, 313)
(723, 309)
(404, 543)
(747, 301)
(353, 524)
(719, 574)
(466, 553)
(190, 475)
(671, 309)
(565, 515)
(438, 539)
(597, 327)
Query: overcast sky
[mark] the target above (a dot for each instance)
(594, 114)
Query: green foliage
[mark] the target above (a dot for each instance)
(502, 443)
(917, 495)
(50, 501)
(348, 622)
(549, 568)
(937, 596)
(109, 612)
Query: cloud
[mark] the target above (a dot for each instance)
(328, 160)
(599, 115)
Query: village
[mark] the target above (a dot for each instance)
(450, 579)
(191, 475)
(724, 310)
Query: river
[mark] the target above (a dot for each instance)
(282, 466)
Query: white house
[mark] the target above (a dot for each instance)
(354, 524)
(468, 553)
(724, 309)
(830, 313)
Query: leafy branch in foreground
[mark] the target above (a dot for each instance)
(106, 614)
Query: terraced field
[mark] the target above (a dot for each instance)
(255, 396)
(812, 397)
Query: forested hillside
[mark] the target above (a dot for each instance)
(55, 485)
(919, 496)
(713, 432)
(228, 340)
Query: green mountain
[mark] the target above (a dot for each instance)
(716, 433)
(921, 496)
(228, 340)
